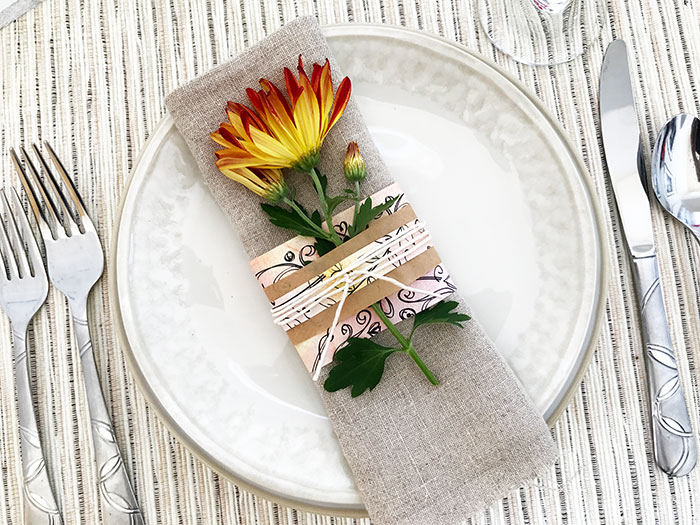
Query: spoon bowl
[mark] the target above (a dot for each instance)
(675, 170)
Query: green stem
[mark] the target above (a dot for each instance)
(332, 235)
(324, 207)
(414, 355)
(357, 201)
(298, 210)
(405, 343)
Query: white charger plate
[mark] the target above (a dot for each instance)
(471, 148)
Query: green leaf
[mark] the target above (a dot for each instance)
(323, 180)
(360, 364)
(288, 219)
(334, 202)
(440, 313)
(323, 246)
(367, 213)
(316, 218)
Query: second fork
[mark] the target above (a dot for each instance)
(23, 289)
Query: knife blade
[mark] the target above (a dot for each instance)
(621, 134)
(674, 444)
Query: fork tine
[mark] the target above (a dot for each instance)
(34, 254)
(56, 188)
(10, 264)
(75, 195)
(49, 201)
(15, 239)
(34, 200)
(27, 187)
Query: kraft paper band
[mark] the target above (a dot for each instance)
(366, 296)
(376, 230)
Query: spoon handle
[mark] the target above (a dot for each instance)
(674, 444)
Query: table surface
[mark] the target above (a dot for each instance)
(91, 77)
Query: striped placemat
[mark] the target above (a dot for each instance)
(91, 76)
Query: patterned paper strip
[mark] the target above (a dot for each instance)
(276, 266)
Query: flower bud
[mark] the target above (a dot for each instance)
(354, 165)
(277, 191)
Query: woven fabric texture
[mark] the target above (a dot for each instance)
(92, 78)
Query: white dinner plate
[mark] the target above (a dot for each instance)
(508, 205)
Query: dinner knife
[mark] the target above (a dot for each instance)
(674, 444)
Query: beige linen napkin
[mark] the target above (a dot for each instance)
(419, 454)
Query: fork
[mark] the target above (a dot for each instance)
(75, 262)
(23, 289)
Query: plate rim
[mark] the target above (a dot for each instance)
(352, 511)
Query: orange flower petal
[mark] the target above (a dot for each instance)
(226, 136)
(281, 125)
(277, 98)
(316, 80)
(254, 98)
(235, 123)
(293, 88)
(342, 97)
(254, 118)
(326, 90)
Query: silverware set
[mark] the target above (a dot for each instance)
(75, 262)
(675, 182)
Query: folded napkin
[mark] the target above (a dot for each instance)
(420, 454)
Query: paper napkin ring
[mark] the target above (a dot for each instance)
(393, 255)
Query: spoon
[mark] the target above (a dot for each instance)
(675, 170)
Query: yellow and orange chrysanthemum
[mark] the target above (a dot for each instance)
(280, 132)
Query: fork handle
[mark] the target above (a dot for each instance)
(674, 443)
(39, 501)
(119, 506)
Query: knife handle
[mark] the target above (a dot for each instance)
(674, 444)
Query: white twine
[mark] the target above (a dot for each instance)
(313, 296)
(373, 250)
(311, 303)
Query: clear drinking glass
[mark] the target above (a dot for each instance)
(542, 32)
